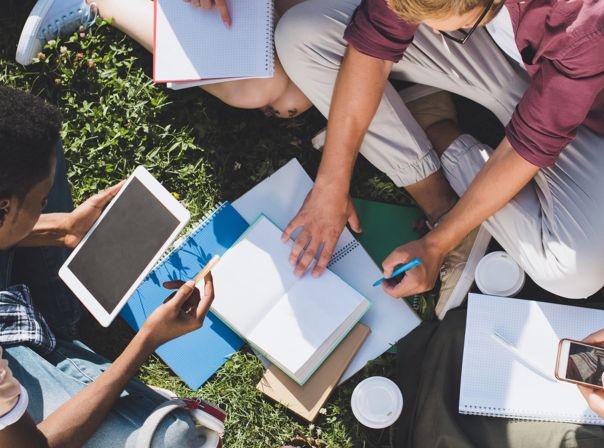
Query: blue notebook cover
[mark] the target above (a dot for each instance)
(194, 357)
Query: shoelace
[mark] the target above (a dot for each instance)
(69, 22)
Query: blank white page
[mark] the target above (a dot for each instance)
(304, 318)
(495, 382)
(252, 276)
(192, 44)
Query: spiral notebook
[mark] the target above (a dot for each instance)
(279, 197)
(495, 382)
(194, 47)
(195, 356)
(296, 322)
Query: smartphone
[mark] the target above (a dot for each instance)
(580, 363)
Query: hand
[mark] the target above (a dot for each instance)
(418, 279)
(78, 222)
(182, 312)
(594, 397)
(209, 4)
(322, 218)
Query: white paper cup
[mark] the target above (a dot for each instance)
(497, 274)
(377, 402)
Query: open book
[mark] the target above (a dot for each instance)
(296, 322)
(193, 47)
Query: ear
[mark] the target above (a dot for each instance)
(4, 210)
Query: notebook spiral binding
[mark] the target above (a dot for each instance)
(270, 30)
(195, 229)
(348, 248)
(519, 414)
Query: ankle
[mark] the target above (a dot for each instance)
(441, 134)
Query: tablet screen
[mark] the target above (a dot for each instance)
(122, 245)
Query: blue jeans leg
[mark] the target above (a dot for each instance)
(53, 380)
(38, 267)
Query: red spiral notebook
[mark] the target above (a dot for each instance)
(194, 47)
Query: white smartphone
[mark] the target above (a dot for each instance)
(123, 245)
(580, 363)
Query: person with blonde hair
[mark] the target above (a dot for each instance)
(536, 64)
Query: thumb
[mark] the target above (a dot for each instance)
(103, 198)
(353, 220)
(396, 257)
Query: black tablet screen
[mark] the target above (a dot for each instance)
(123, 244)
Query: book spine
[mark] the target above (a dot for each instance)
(195, 229)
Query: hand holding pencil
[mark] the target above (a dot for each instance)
(185, 309)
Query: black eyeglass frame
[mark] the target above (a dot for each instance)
(467, 34)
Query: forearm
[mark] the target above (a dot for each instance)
(72, 424)
(357, 94)
(50, 230)
(502, 177)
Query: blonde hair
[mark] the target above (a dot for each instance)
(417, 11)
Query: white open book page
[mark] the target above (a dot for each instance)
(288, 318)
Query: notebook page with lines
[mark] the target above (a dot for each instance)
(191, 44)
(495, 383)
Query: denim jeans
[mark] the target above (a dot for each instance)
(52, 380)
(38, 267)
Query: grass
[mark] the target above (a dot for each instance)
(205, 152)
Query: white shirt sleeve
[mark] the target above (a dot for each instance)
(13, 397)
(16, 412)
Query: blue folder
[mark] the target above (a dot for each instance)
(194, 357)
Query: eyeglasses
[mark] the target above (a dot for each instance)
(465, 35)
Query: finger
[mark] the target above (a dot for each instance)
(208, 297)
(396, 257)
(102, 199)
(354, 221)
(223, 9)
(326, 254)
(299, 246)
(205, 4)
(183, 294)
(308, 257)
(173, 284)
(595, 338)
(290, 229)
(408, 286)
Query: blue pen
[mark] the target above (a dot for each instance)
(400, 270)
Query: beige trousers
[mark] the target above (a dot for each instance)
(554, 228)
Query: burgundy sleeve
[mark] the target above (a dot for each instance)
(375, 30)
(556, 103)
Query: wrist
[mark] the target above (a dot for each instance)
(146, 340)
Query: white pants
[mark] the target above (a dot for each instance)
(554, 228)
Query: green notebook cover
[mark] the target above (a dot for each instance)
(385, 227)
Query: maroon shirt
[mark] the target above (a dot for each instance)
(562, 46)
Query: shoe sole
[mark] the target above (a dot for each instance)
(31, 28)
(483, 238)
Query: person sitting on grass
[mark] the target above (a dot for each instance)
(51, 19)
(536, 64)
(75, 396)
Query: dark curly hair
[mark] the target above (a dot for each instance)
(29, 130)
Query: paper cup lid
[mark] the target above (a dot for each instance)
(499, 275)
(377, 402)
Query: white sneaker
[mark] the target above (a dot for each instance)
(48, 20)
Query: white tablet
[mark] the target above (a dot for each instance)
(124, 244)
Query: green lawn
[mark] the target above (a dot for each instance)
(204, 151)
